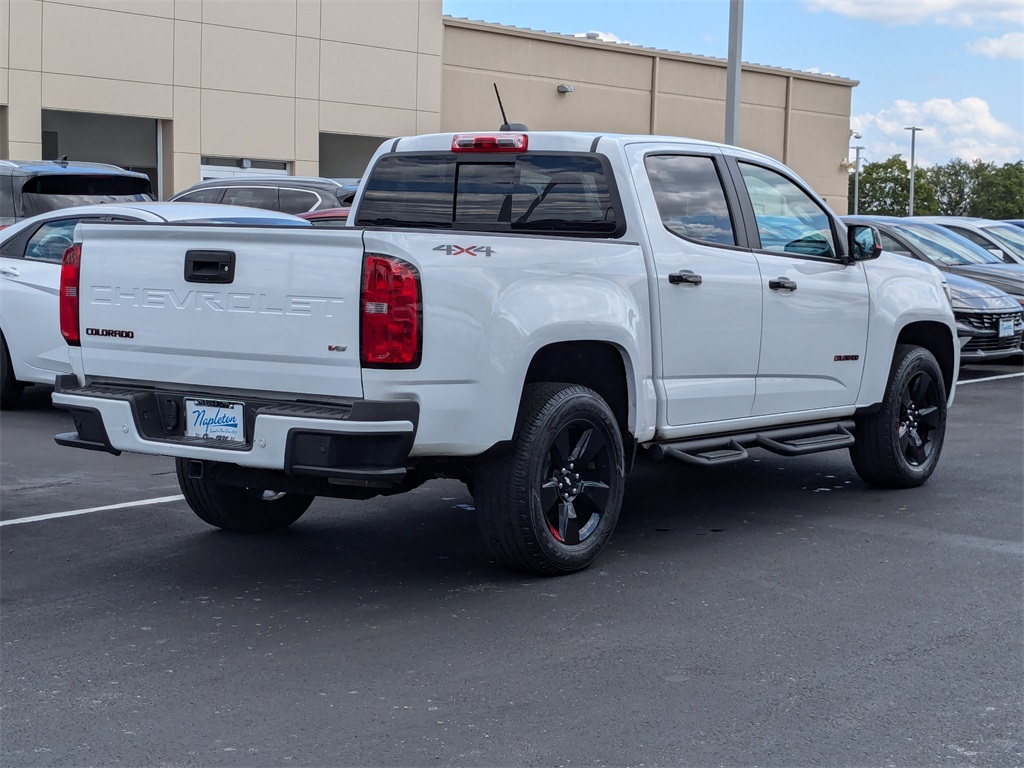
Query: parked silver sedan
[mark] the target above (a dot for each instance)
(999, 238)
(989, 320)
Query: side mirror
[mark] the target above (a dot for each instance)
(863, 242)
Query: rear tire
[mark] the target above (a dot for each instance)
(10, 387)
(233, 508)
(549, 503)
(898, 446)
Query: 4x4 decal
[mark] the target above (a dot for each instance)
(468, 250)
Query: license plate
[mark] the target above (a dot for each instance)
(214, 418)
(1005, 327)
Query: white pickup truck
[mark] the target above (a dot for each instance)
(522, 311)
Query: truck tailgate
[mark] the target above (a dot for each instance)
(202, 307)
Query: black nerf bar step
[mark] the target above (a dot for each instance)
(786, 441)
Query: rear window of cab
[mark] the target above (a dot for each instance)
(569, 194)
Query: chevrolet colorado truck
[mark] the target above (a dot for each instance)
(524, 311)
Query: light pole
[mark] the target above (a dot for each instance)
(732, 73)
(913, 135)
(856, 179)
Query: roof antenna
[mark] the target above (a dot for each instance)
(505, 124)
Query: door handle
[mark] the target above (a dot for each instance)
(10, 271)
(209, 266)
(685, 276)
(782, 283)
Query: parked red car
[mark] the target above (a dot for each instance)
(327, 217)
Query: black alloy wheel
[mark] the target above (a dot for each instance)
(549, 501)
(574, 498)
(919, 418)
(899, 442)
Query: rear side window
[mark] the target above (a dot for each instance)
(208, 195)
(297, 200)
(51, 240)
(539, 193)
(252, 197)
(41, 194)
(690, 198)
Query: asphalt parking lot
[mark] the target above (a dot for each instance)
(777, 612)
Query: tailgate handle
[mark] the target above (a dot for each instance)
(209, 266)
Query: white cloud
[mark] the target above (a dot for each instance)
(966, 129)
(1009, 46)
(959, 13)
(817, 71)
(607, 37)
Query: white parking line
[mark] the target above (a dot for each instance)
(125, 505)
(990, 378)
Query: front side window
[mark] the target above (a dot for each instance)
(788, 219)
(893, 246)
(566, 194)
(945, 250)
(974, 237)
(690, 198)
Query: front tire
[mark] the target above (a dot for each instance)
(549, 503)
(234, 508)
(10, 387)
(898, 446)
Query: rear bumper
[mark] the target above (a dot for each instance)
(361, 440)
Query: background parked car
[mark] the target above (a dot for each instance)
(327, 217)
(287, 194)
(997, 237)
(28, 188)
(32, 350)
(990, 321)
(947, 251)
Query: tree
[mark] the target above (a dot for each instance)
(885, 189)
(954, 184)
(999, 193)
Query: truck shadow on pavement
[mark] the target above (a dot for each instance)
(428, 539)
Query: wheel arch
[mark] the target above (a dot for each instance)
(601, 365)
(936, 338)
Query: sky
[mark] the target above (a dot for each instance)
(952, 67)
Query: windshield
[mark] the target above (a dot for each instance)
(1008, 236)
(948, 250)
(42, 194)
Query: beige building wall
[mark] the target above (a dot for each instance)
(257, 79)
(275, 80)
(800, 118)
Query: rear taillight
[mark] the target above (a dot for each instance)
(69, 274)
(391, 332)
